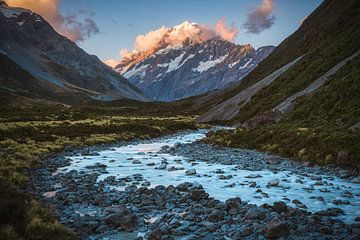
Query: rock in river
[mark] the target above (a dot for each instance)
(190, 172)
(122, 217)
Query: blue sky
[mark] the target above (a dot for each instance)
(120, 21)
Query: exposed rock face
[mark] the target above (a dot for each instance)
(171, 73)
(59, 65)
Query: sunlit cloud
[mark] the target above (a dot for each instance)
(260, 18)
(192, 33)
(70, 26)
(226, 33)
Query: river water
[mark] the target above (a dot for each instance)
(221, 181)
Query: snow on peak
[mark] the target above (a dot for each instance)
(204, 66)
(185, 25)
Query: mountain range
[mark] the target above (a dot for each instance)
(168, 72)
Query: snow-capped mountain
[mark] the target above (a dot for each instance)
(194, 66)
(57, 64)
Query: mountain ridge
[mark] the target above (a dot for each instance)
(30, 42)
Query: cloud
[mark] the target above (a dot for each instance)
(224, 32)
(112, 62)
(151, 39)
(70, 26)
(192, 33)
(260, 18)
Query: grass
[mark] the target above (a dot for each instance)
(314, 145)
(317, 129)
(38, 131)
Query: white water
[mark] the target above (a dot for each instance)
(289, 187)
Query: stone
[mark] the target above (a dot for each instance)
(280, 207)
(197, 194)
(190, 172)
(136, 162)
(123, 218)
(276, 228)
(173, 168)
(333, 212)
(215, 216)
(155, 234)
(183, 187)
(295, 201)
(339, 201)
(307, 164)
(219, 171)
(210, 226)
(163, 166)
(246, 231)
(232, 205)
(253, 176)
(256, 214)
(225, 177)
(274, 182)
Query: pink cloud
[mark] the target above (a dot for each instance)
(226, 33)
(260, 18)
(68, 26)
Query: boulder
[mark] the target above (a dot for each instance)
(276, 229)
(197, 194)
(274, 183)
(190, 172)
(232, 205)
(280, 207)
(215, 216)
(122, 218)
(256, 214)
(163, 166)
(155, 234)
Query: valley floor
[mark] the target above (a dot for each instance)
(85, 198)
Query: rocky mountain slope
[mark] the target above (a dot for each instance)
(168, 73)
(303, 100)
(59, 69)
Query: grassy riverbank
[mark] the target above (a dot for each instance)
(28, 136)
(320, 129)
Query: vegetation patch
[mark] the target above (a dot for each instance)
(24, 143)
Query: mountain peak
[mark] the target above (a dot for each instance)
(172, 72)
(185, 24)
